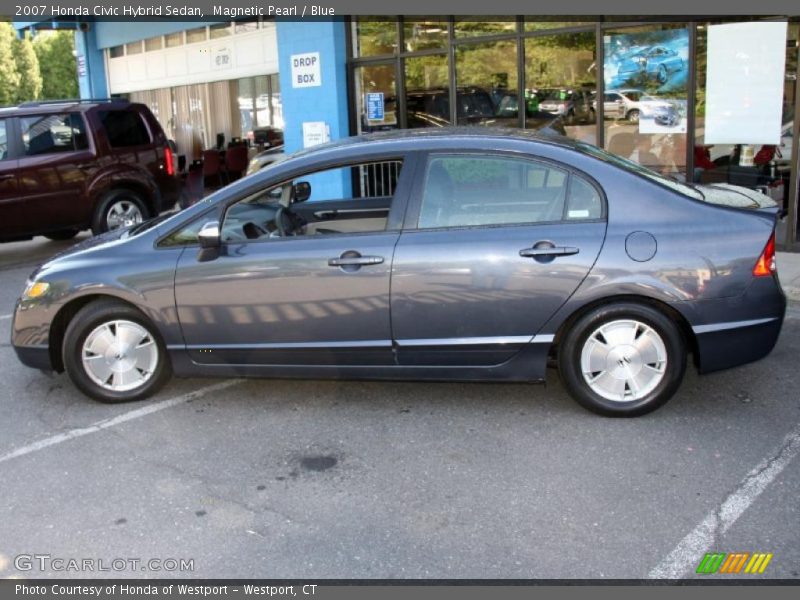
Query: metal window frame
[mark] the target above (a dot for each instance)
(600, 26)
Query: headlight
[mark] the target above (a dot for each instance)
(35, 289)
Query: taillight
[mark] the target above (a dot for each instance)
(766, 262)
(169, 161)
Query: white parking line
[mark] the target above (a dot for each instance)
(118, 420)
(687, 554)
(3, 317)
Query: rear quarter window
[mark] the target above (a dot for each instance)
(124, 128)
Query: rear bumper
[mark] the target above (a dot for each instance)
(734, 331)
(736, 346)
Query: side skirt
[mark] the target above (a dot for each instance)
(529, 365)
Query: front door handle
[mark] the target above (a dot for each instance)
(548, 251)
(350, 261)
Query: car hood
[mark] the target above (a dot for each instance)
(94, 241)
(92, 244)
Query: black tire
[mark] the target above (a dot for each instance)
(100, 222)
(60, 236)
(80, 327)
(572, 344)
(633, 115)
(663, 75)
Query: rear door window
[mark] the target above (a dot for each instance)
(3, 140)
(53, 133)
(466, 191)
(124, 128)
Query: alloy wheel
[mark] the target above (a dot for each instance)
(623, 360)
(123, 213)
(119, 355)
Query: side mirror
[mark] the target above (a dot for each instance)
(301, 191)
(209, 236)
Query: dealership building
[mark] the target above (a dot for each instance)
(700, 100)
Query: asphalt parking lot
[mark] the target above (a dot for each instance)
(320, 479)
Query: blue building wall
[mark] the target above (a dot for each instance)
(92, 79)
(327, 102)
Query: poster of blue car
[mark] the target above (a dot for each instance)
(655, 61)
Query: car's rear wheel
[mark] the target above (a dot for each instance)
(60, 236)
(118, 208)
(633, 116)
(622, 360)
(113, 353)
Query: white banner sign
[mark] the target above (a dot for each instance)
(315, 133)
(744, 83)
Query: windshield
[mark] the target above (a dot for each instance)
(633, 167)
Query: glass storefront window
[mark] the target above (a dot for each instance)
(196, 35)
(764, 164)
(174, 39)
(560, 81)
(538, 24)
(427, 95)
(153, 43)
(245, 26)
(376, 98)
(486, 77)
(646, 76)
(375, 35)
(259, 102)
(275, 99)
(423, 34)
(478, 25)
(263, 116)
(220, 30)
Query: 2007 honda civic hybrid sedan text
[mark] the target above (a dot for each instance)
(451, 255)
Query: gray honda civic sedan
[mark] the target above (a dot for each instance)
(468, 255)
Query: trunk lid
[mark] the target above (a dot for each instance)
(734, 196)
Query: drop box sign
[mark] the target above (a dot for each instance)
(306, 70)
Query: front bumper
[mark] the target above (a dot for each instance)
(30, 332)
(36, 357)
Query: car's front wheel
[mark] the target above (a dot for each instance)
(622, 360)
(113, 353)
(633, 116)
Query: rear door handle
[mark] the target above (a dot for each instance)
(549, 251)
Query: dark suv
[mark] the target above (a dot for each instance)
(71, 165)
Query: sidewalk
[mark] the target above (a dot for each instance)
(789, 273)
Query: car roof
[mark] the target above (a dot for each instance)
(403, 136)
(46, 106)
